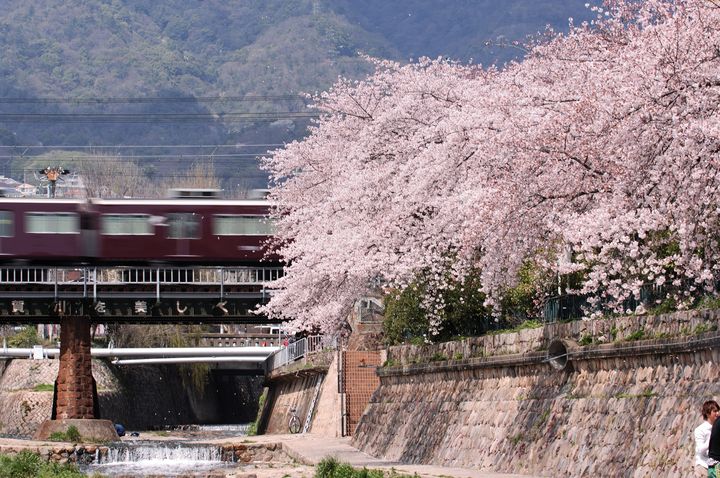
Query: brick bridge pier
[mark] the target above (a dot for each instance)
(75, 380)
(75, 394)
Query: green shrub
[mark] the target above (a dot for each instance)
(438, 357)
(24, 338)
(343, 470)
(464, 313)
(637, 335)
(71, 434)
(29, 465)
(586, 340)
(709, 302)
(330, 467)
(326, 468)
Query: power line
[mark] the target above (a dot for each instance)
(140, 146)
(151, 117)
(156, 99)
(93, 157)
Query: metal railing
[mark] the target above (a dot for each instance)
(299, 349)
(140, 275)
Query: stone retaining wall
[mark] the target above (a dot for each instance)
(138, 397)
(622, 408)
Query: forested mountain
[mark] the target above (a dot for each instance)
(80, 57)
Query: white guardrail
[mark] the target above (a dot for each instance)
(299, 349)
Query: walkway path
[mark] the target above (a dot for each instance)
(307, 449)
(310, 449)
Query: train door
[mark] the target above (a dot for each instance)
(184, 227)
(7, 228)
(88, 234)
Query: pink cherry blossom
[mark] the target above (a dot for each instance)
(597, 154)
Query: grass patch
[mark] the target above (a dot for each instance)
(528, 324)
(390, 363)
(44, 387)
(709, 302)
(586, 340)
(438, 357)
(613, 333)
(30, 465)
(703, 328)
(72, 434)
(252, 429)
(330, 467)
(637, 335)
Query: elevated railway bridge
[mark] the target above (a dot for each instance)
(78, 297)
(144, 294)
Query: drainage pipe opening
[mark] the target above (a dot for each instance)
(557, 355)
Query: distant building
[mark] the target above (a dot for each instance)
(26, 190)
(8, 187)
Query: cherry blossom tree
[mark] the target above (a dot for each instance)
(596, 155)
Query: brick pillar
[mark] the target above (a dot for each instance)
(75, 382)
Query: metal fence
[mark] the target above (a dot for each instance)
(299, 349)
(140, 275)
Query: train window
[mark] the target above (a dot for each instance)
(52, 223)
(234, 225)
(125, 224)
(6, 224)
(183, 225)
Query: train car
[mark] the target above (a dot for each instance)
(134, 231)
(180, 231)
(41, 230)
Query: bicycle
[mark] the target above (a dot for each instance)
(294, 423)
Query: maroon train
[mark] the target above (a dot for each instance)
(134, 231)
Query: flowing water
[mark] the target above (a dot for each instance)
(140, 457)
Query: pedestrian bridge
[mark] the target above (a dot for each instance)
(262, 359)
(237, 358)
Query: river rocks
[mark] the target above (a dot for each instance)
(254, 452)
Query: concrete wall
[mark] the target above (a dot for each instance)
(293, 392)
(327, 421)
(621, 408)
(294, 387)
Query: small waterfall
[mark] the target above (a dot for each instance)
(169, 459)
(154, 452)
(236, 429)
